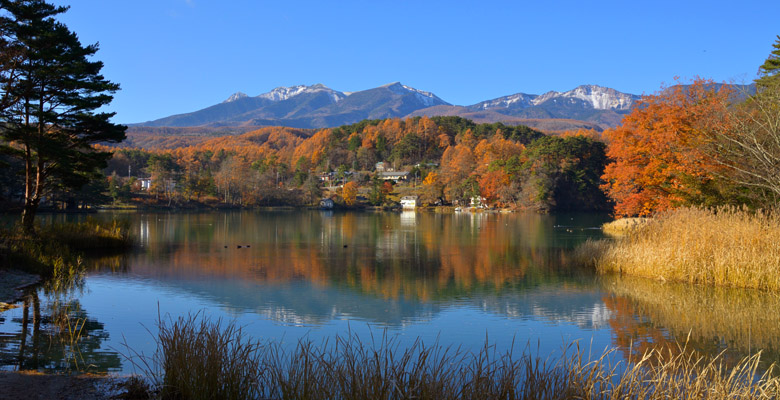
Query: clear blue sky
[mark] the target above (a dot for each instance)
(175, 56)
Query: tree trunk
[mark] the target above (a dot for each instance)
(31, 201)
(28, 214)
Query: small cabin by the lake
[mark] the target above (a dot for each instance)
(326, 204)
(409, 202)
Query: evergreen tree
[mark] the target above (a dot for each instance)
(50, 91)
(770, 71)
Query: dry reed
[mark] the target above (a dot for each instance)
(198, 358)
(90, 235)
(726, 246)
(58, 251)
(624, 226)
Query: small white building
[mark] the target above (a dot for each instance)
(326, 204)
(409, 202)
(478, 202)
(146, 183)
(393, 175)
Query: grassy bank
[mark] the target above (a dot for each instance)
(60, 248)
(202, 359)
(725, 246)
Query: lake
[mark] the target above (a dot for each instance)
(459, 279)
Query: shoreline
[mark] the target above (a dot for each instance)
(13, 283)
(37, 385)
(205, 208)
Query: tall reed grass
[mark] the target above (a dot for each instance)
(90, 235)
(58, 250)
(198, 358)
(624, 226)
(726, 246)
(67, 331)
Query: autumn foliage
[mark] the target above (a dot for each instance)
(349, 193)
(453, 160)
(658, 153)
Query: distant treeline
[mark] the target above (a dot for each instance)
(450, 159)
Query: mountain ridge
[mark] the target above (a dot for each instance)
(318, 106)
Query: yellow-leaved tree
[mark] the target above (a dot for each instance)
(349, 193)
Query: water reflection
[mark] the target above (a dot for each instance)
(307, 268)
(51, 331)
(291, 274)
(54, 337)
(648, 313)
(417, 257)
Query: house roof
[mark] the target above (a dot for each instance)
(394, 173)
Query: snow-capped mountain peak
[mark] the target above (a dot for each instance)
(427, 98)
(284, 93)
(517, 100)
(235, 96)
(600, 98)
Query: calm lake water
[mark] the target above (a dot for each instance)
(458, 279)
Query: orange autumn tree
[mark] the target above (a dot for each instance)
(491, 183)
(588, 133)
(658, 157)
(457, 165)
(349, 193)
(432, 188)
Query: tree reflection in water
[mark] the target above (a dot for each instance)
(425, 258)
(308, 268)
(52, 332)
(650, 314)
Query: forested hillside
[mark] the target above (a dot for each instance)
(450, 160)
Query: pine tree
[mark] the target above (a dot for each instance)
(50, 91)
(770, 71)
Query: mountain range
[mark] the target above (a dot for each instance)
(318, 106)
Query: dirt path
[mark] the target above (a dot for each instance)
(31, 385)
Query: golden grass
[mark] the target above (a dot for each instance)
(198, 358)
(624, 226)
(90, 235)
(60, 247)
(725, 246)
(57, 252)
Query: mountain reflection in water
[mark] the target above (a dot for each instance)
(454, 278)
